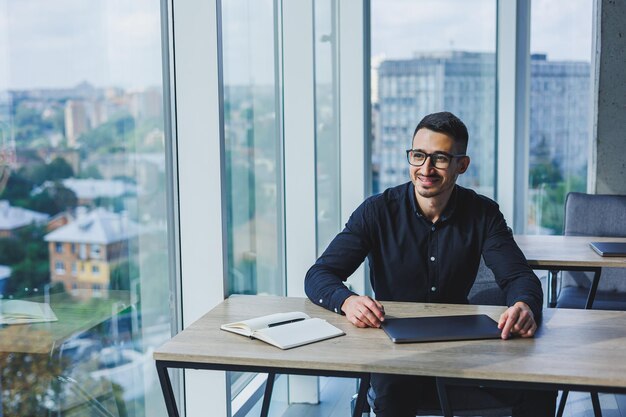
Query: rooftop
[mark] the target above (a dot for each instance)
(98, 226)
(12, 218)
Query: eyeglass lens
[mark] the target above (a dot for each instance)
(439, 160)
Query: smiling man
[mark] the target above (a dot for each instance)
(424, 240)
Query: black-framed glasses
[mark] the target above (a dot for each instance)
(440, 160)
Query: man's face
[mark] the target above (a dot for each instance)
(428, 180)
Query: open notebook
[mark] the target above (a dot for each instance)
(23, 312)
(285, 330)
(441, 328)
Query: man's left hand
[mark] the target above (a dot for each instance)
(517, 320)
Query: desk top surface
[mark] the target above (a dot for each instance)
(583, 347)
(541, 250)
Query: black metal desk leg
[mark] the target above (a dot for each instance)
(552, 285)
(364, 385)
(594, 288)
(443, 397)
(166, 386)
(562, 401)
(595, 402)
(267, 397)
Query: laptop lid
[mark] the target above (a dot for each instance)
(609, 248)
(441, 328)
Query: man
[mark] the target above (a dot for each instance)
(424, 240)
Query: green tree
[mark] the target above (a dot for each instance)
(91, 171)
(552, 202)
(33, 270)
(108, 136)
(37, 172)
(28, 124)
(122, 275)
(545, 173)
(58, 169)
(17, 191)
(26, 276)
(53, 199)
(11, 251)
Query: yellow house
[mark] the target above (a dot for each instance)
(84, 252)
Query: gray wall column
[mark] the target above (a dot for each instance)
(607, 167)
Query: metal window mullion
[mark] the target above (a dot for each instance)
(355, 159)
(299, 142)
(299, 161)
(513, 76)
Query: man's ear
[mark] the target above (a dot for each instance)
(463, 164)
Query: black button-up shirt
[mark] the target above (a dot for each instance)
(413, 259)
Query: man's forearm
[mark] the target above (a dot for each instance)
(326, 289)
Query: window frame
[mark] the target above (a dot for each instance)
(59, 267)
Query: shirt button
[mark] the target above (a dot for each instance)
(432, 258)
(335, 310)
(433, 228)
(321, 301)
(433, 289)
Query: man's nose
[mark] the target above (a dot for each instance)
(428, 164)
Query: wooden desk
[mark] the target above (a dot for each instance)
(574, 349)
(567, 253)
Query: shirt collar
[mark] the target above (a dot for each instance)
(447, 212)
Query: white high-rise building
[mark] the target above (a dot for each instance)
(76, 121)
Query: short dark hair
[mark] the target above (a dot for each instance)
(448, 124)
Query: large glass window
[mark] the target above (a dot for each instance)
(560, 109)
(82, 164)
(430, 56)
(326, 123)
(252, 147)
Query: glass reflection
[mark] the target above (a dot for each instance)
(83, 222)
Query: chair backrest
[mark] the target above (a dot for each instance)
(485, 290)
(596, 215)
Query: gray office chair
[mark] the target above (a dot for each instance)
(485, 291)
(593, 215)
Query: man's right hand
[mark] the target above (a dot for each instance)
(363, 311)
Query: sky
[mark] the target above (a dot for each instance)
(60, 43)
(562, 29)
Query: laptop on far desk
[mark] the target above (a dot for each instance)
(609, 248)
(441, 328)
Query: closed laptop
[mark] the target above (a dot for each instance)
(441, 328)
(609, 248)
